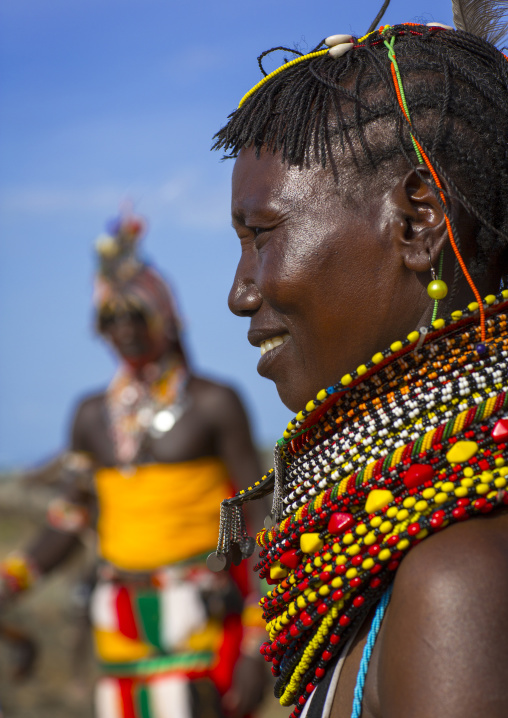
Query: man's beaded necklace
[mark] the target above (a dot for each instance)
(410, 443)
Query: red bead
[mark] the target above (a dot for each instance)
(344, 621)
(305, 618)
(355, 582)
(479, 503)
(294, 631)
(357, 560)
(375, 583)
(340, 569)
(334, 639)
(319, 672)
(413, 529)
(437, 519)
(374, 549)
(463, 502)
(302, 700)
(310, 687)
(376, 569)
(417, 474)
(326, 656)
(322, 609)
(500, 431)
(291, 559)
(459, 513)
(358, 601)
(286, 597)
(393, 565)
(271, 581)
(393, 540)
(337, 595)
(339, 523)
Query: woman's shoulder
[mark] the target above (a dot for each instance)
(443, 649)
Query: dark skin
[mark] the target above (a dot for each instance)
(214, 424)
(345, 278)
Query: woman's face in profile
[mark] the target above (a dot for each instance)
(318, 272)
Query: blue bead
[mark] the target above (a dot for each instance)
(481, 348)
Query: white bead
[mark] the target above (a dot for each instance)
(333, 40)
(339, 50)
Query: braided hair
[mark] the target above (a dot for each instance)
(456, 87)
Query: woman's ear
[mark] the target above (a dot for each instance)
(421, 227)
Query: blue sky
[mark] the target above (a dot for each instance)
(102, 101)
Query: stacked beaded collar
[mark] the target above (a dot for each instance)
(410, 443)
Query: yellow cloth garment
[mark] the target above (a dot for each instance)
(160, 513)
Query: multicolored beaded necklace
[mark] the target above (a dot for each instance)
(411, 442)
(144, 405)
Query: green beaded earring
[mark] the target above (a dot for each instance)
(436, 289)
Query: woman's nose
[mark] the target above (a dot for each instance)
(244, 297)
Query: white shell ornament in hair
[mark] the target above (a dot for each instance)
(439, 24)
(339, 45)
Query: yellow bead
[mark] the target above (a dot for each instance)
(428, 493)
(351, 573)
(310, 406)
(310, 543)
(396, 346)
(370, 539)
(348, 539)
(286, 434)
(438, 323)
(467, 483)
(353, 550)
(437, 289)
(456, 316)
(292, 609)
(486, 477)
(322, 395)
(378, 499)
(277, 571)
(392, 512)
(473, 306)
(462, 451)
(362, 369)
(440, 498)
(327, 556)
(340, 560)
(312, 597)
(424, 533)
(500, 483)
(499, 461)
(409, 502)
(368, 564)
(376, 522)
(468, 471)
(482, 489)
(402, 514)
(324, 591)
(413, 336)
(309, 568)
(490, 299)
(336, 548)
(361, 529)
(318, 562)
(384, 554)
(300, 416)
(337, 582)
(505, 293)
(448, 486)
(346, 379)
(421, 506)
(460, 492)
(284, 620)
(403, 545)
(301, 602)
(377, 358)
(386, 527)
(503, 471)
